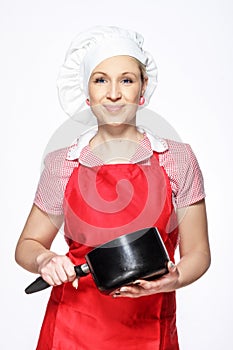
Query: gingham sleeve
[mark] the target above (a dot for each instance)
(184, 172)
(53, 180)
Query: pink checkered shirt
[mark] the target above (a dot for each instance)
(176, 158)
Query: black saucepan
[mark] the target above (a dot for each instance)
(137, 255)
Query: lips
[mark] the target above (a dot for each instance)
(113, 108)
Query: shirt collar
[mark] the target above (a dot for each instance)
(157, 144)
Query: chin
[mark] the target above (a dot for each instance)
(117, 123)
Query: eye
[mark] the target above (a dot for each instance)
(127, 81)
(100, 80)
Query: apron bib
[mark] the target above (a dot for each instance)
(100, 204)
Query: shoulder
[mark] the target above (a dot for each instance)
(180, 149)
(58, 155)
(178, 154)
(53, 180)
(56, 161)
(182, 167)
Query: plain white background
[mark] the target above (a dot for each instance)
(192, 44)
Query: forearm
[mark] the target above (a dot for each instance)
(192, 266)
(28, 254)
(35, 240)
(54, 268)
(193, 244)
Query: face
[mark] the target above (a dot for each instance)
(115, 87)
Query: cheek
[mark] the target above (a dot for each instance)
(93, 97)
(96, 94)
(136, 92)
(133, 95)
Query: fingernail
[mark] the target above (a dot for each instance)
(75, 284)
(115, 295)
(171, 265)
(123, 289)
(136, 282)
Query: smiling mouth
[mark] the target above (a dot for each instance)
(113, 108)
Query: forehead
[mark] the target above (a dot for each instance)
(118, 64)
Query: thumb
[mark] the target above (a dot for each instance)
(171, 266)
(75, 283)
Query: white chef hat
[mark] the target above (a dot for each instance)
(90, 48)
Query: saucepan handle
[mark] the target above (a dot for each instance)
(40, 284)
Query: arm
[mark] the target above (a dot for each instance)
(194, 256)
(33, 249)
(194, 244)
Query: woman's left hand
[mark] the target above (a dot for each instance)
(139, 288)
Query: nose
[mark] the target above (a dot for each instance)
(114, 92)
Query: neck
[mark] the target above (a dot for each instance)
(116, 144)
(109, 132)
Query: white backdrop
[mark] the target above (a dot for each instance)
(192, 44)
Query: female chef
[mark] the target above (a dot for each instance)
(115, 179)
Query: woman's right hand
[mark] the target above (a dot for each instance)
(33, 250)
(56, 269)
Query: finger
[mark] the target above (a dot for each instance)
(56, 270)
(140, 285)
(75, 283)
(69, 269)
(171, 266)
(65, 269)
(135, 290)
(126, 292)
(143, 284)
(61, 273)
(173, 269)
(115, 292)
(53, 279)
(48, 279)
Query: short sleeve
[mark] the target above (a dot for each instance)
(53, 180)
(184, 173)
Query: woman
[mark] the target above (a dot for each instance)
(163, 188)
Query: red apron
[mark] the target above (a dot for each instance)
(101, 204)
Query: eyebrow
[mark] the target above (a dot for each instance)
(100, 73)
(124, 73)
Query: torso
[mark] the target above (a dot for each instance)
(87, 319)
